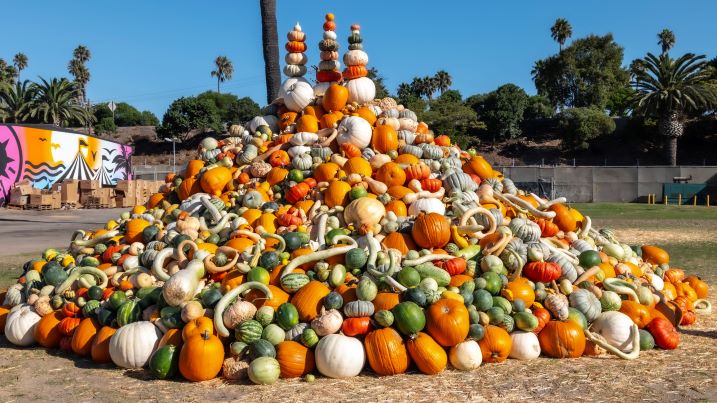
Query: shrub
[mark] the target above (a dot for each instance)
(580, 125)
(105, 126)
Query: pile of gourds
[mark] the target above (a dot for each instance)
(335, 234)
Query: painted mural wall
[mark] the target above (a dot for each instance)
(45, 156)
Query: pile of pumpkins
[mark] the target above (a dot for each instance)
(336, 234)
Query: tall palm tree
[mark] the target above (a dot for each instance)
(224, 70)
(669, 88)
(16, 101)
(561, 31)
(443, 80)
(82, 53)
(20, 62)
(56, 102)
(404, 91)
(270, 39)
(82, 76)
(666, 40)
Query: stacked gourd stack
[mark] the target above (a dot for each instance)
(339, 237)
(329, 70)
(295, 58)
(361, 88)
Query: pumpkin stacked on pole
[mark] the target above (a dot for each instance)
(361, 88)
(295, 58)
(329, 69)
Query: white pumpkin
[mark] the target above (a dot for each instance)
(298, 150)
(364, 213)
(298, 96)
(320, 88)
(525, 345)
(329, 35)
(339, 356)
(328, 323)
(294, 70)
(361, 90)
(466, 356)
(355, 57)
(268, 120)
(379, 160)
(355, 130)
(407, 124)
(304, 138)
(393, 122)
(427, 205)
(656, 281)
(615, 328)
(20, 325)
(296, 58)
(132, 345)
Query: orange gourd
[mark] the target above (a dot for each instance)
(384, 139)
(674, 275)
(407, 159)
(350, 150)
(84, 335)
(354, 72)
(431, 230)
(429, 356)
(100, 350)
(519, 289)
(655, 255)
(233, 279)
(640, 314)
(358, 165)
(397, 192)
(337, 194)
(295, 359)
(685, 290)
(402, 242)
(563, 218)
(386, 352)
(197, 327)
(447, 322)
(562, 339)
(385, 300)
(287, 119)
(47, 333)
(214, 180)
(307, 123)
(330, 119)
(201, 357)
(188, 187)
(495, 344)
(480, 167)
(155, 199)
(308, 300)
(391, 174)
(193, 168)
(417, 171)
(367, 114)
(701, 288)
(335, 98)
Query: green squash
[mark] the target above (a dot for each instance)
(95, 293)
(181, 238)
(53, 273)
(356, 258)
(384, 318)
(149, 296)
(171, 317)
(210, 297)
(164, 362)
(578, 317)
(269, 260)
(467, 296)
(409, 318)
(476, 332)
(264, 371)
(508, 323)
(273, 334)
(105, 317)
(295, 240)
(292, 282)
(647, 342)
(493, 282)
(309, 338)
(337, 275)
(469, 286)
(129, 312)
(495, 315)
(366, 290)
(248, 331)
(503, 304)
(409, 277)
(90, 261)
(89, 310)
(150, 233)
(264, 315)
(262, 348)
(428, 270)
(238, 348)
(525, 321)
(473, 314)
(116, 300)
(415, 295)
(333, 300)
(482, 300)
(480, 283)
(334, 233)
(287, 316)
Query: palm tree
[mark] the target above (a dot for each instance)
(224, 70)
(16, 101)
(669, 88)
(561, 31)
(270, 39)
(443, 80)
(81, 53)
(404, 91)
(20, 62)
(666, 40)
(82, 76)
(636, 66)
(56, 103)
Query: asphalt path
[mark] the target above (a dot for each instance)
(28, 231)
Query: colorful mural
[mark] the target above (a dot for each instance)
(45, 156)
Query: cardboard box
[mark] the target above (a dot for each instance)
(90, 185)
(23, 188)
(18, 199)
(41, 199)
(122, 201)
(70, 191)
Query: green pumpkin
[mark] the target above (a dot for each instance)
(210, 297)
(409, 318)
(269, 260)
(150, 233)
(90, 261)
(295, 240)
(493, 282)
(164, 362)
(358, 309)
(90, 308)
(482, 300)
(129, 312)
(495, 315)
(292, 282)
(476, 332)
(525, 321)
(264, 315)
(383, 318)
(171, 317)
(116, 300)
(309, 338)
(53, 273)
(262, 348)
(287, 316)
(409, 277)
(333, 300)
(366, 290)
(508, 323)
(273, 334)
(248, 331)
(647, 342)
(503, 304)
(415, 295)
(356, 258)
(181, 238)
(105, 317)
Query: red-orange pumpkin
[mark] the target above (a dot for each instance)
(431, 230)
(386, 352)
(447, 322)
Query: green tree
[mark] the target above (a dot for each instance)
(245, 110)
(381, 91)
(106, 126)
(449, 115)
(223, 70)
(81, 53)
(20, 62)
(148, 119)
(561, 31)
(56, 102)
(581, 125)
(101, 111)
(620, 101)
(270, 40)
(583, 74)
(538, 107)
(404, 92)
(442, 80)
(503, 110)
(16, 101)
(8, 73)
(188, 115)
(231, 108)
(669, 89)
(666, 40)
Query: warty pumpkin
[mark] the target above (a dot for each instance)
(386, 352)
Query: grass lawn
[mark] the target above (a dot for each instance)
(635, 211)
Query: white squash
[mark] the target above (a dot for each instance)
(327, 323)
(298, 96)
(20, 325)
(133, 344)
(298, 150)
(294, 70)
(427, 205)
(320, 88)
(656, 281)
(296, 58)
(361, 90)
(364, 213)
(379, 160)
(184, 284)
(614, 327)
(355, 57)
(466, 356)
(339, 356)
(355, 130)
(304, 138)
(525, 346)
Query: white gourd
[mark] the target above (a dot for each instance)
(20, 325)
(466, 356)
(354, 130)
(525, 346)
(339, 356)
(133, 344)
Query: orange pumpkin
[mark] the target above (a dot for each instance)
(429, 356)
(519, 289)
(326, 171)
(398, 207)
(188, 187)
(201, 357)
(384, 139)
(385, 300)
(655, 255)
(447, 322)
(276, 175)
(193, 168)
(307, 123)
(366, 113)
(386, 352)
(431, 230)
(669, 291)
(391, 174)
(295, 359)
(495, 344)
(335, 98)
(287, 119)
(358, 165)
(279, 158)
(640, 314)
(397, 192)
(350, 150)
(197, 327)
(278, 297)
(442, 140)
(47, 333)
(171, 337)
(133, 230)
(417, 171)
(562, 339)
(84, 335)
(100, 350)
(330, 119)
(402, 242)
(563, 218)
(155, 199)
(337, 194)
(674, 275)
(308, 300)
(701, 288)
(348, 292)
(214, 180)
(407, 159)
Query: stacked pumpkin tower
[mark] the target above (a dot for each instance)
(335, 237)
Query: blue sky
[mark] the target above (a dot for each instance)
(149, 53)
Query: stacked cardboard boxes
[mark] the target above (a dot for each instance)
(20, 193)
(133, 192)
